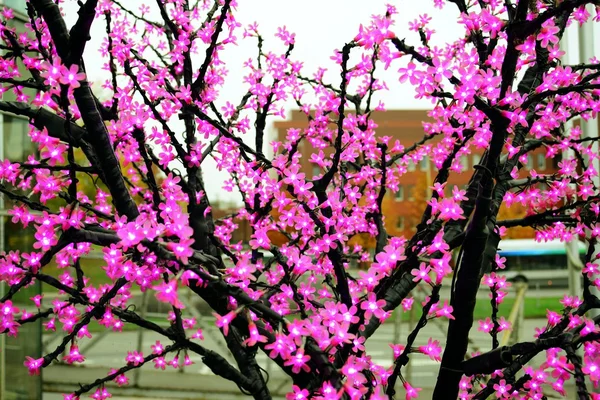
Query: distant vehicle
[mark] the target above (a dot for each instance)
(265, 255)
(538, 263)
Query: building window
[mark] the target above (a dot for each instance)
(411, 167)
(541, 161)
(529, 162)
(400, 223)
(400, 193)
(464, 161)
(15, 382)
(410, 189)
(316, 171)
(424, 164)
(17, 145)
(476, 159)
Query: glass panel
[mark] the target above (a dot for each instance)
(16, 237)
(316, 170)
(424, 164)
(18, 384)
(17, 147)
(400, 223)
(410, 189)
(17, 5)
(17, 144)
(537, 263)
(464, 161)
(400, 193)
(541, 162)
(529, 162)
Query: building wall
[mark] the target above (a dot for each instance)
(403, 209)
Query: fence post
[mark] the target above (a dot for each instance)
(521, 317)
(516, 317)
(411, 326)
(397, 327)
(140, 339)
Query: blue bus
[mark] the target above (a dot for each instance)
(539, 263)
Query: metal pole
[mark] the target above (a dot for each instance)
(575, 288)
(521, 317)
(397, 327)
(140, 341)
(574, 277)
(589, 127)
(2, 337)
(586, 52)
(411, 325)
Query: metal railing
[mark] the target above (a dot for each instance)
(205, 324)
(516, 316)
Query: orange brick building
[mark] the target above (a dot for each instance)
(403, 209)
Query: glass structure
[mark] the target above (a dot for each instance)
(15, 145)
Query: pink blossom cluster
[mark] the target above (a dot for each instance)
(126, 178)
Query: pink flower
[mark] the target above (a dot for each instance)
(167, 293)
(410, 73)
(157, 348)
(407, 303)
(7, 309)
(37, 300)
(445, 311)
(502, 389)
(449, 210)
(287, 37)
(121, 379)
(411, 392)
(421, 274)
(74, 356)
(372, 306)
(255, 337)
(281, 347)
(297, 394)
(486, 325)
(298, 362)
(398, 349)
(101, 394)
(160, 363)
(432, 349)
(33, 365)
(134, 357)
(224, 321)
(71, 76)
(182, 249)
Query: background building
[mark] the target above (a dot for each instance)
(403, 209)
(15, 383)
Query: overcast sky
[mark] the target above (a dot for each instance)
(321, 26)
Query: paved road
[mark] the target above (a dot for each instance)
(111, 351)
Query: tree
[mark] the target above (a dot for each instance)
(501, 88)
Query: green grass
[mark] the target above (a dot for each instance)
(95, 327)
(534, 308)
(92, 269)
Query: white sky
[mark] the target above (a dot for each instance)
(321, 26)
